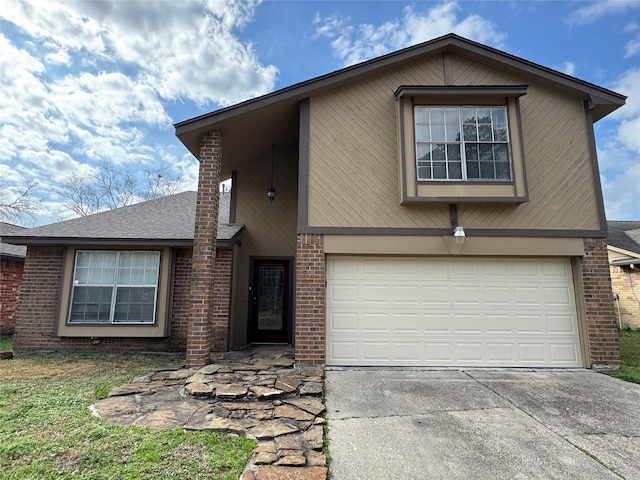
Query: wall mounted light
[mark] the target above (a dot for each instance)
(271, 192)
(459, 235)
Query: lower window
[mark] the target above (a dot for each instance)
(115, 287)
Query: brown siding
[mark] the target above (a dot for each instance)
(310, 329)
(602, 331)
(353, 164)
(270, 228)
(10, 279)
(626, 283)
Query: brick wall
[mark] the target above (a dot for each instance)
(181, 301)
(10, 279)
(602, 325)
(310, 300)
(199, 340)
(38, 308)
(221, 301)
(626, 283)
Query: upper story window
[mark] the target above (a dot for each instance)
(462, 143)
(117, 287)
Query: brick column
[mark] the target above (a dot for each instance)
(204, 250)
(221, 301)
(602, 325)
(310, 300)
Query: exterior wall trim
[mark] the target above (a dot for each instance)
(593, 156)
(303, 162)
(447, 231)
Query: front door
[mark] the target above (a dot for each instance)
(270, 312)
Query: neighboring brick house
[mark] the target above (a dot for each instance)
(11, 267)
(623, 247)
(118, 280)
(440, 205)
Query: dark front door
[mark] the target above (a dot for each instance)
(269, 317)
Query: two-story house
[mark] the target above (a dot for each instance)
(440, 205)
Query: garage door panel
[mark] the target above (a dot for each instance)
(530, 324)
(457, 312)
(561, 324)
(562, 353)
(557, 296)
(342, 293)
(342, 322)
(376, 322)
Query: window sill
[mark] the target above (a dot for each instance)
(465, 192)
(102, 330)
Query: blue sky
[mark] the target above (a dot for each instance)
(82, 82)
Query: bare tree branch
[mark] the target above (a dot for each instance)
(16, 207)
(84, 198)
(111, 188)
(160, 183)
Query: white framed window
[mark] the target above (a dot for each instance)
(115, 287)
(462, 143)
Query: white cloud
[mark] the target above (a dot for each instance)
(88, 81)
(569, 68)
(632, 48)
(185, 49)
(355, 44)
(629, 115)
(593, 11)
(619, 155)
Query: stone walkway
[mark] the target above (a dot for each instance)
(253, 391)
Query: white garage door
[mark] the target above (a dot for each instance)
(451, 312)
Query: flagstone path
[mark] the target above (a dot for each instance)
(257, 392)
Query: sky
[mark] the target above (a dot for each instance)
(89, 81)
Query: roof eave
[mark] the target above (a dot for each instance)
(12, 257)
(603, 101)
(62, 241)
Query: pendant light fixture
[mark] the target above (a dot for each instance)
(271, 192)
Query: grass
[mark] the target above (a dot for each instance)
(48, 432)
(630, 357)
(5, 343)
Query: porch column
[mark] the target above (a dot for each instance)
(602, 325)
(199, 330)
(310, 300)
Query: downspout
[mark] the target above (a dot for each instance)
(616, 298)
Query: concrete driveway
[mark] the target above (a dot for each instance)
(481, 424)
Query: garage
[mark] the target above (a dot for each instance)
(455, 312)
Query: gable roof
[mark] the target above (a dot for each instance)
(14, 252)
(164, 221)
(624, 235)
(276, 113)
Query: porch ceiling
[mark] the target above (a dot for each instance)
(248, 136)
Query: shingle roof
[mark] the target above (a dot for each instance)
(625, 235)
(168, 220)
(6, 250)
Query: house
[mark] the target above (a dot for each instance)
(440, 205)
(436, 206)
(11, 266)
(623, 247)
(118, 279)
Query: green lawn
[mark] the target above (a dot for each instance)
(630, 357)
(47, 431)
